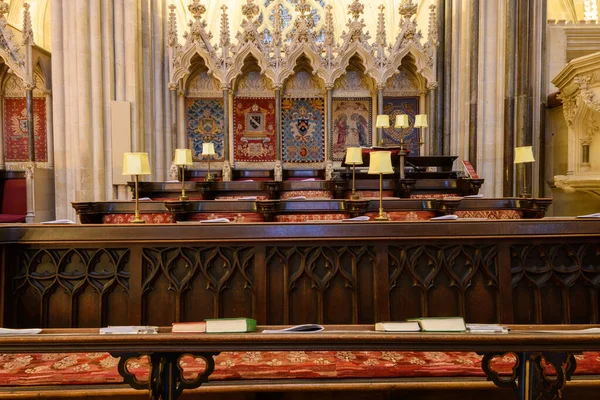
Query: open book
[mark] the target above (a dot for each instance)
(305, 328)
(16, 332)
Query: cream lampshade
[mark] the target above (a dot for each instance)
(421, 121)
(401, 121)
(383, 121)
(524, 155)
(381, 163)
(136, 164)
(354, 157)
(182, 158)
(208, 149)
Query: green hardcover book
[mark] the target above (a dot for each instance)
(441, 324)
(230, 325)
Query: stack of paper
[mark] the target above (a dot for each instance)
(216, 220)
(7, 331)
(487, 328)
(59, 222)
(359, 218)
(596, 215)
(306, 328)
(444, 217)
(128, 330)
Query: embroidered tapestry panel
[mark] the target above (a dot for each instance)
(254, 129)
(303, 138)
(351, 125)
(393, 106)
(16, 136)
(205, 124)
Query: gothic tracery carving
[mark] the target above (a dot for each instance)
(277, 58)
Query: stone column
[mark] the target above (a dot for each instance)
(181, 134)
(473, 80)
(2, 133)
(436, 146)
(447, 72)
(509, 98)
(278, 121)
(49, 128)
(380, 112)
(225, 123)
(328, 133)
(30, 128)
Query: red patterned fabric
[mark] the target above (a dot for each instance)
(97, 368)
(15, 129)
(491, 214)
(254, 133)
(310, 217)
(240, 197)
(433, 195)
(157, 218)
(404, 215)
(309, 194)
(236, 218)
(14, 199)
(373, 194)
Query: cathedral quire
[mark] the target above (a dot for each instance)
(294, 163)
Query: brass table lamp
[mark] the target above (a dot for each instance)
(401, 123)
(208, 149)
(182, 158)
(383, 121)
(381, 163)
(524, 155)
(354, 157)
(136, 164)
(420, 123)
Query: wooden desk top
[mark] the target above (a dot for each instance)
(341, 337)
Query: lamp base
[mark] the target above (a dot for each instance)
(525, 195)
(209, 178)
(381, 218)
(183, 198)
(138, 221)
(354, 197)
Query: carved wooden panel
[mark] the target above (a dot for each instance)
(76, 287)
(320, 284)
(555, 283)
(453, 280)
(195, 283)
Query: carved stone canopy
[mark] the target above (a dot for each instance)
(329, 57)
(579, 84)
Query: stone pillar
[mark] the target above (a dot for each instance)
(329, 133)
(30, 127)
(181, 134)
(278, 121)
(2, 133)
(473, 80)
(436, 146)
(380, 112)
(447, 72)
(226, 124)
(509, 98)
(49, 128)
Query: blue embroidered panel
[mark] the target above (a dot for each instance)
(205, 124)
(303, 139)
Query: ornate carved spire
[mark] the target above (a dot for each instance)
(250, 10)
(433, 27)
(172, 27)
(408, 9)
(356, 9)
(277, 26)
(381, 37)
(303, 8)
(303, 24)
(224, 28)
(356, 26)
(4, 8)
(198, 26)
(27, 29)
(329, 40)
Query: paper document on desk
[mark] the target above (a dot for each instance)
(59, 222)
(308, 180)
(128, 330)
(32, 331)
(487, 328)
(297, 198)
(473, 196)
(444, 217)
(596, 215)
(216, 220)
(359, 218)
(305, 328)
(593, 331)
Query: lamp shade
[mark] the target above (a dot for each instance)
(421, 121)
(136, 164)
(381, 163)
(383, 121)
(354, 155)
(208, 149)
(524, 154)
(183, 157)
(401, 121)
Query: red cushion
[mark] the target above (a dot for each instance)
(10, 218)
(14, 200)
(90, 368)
